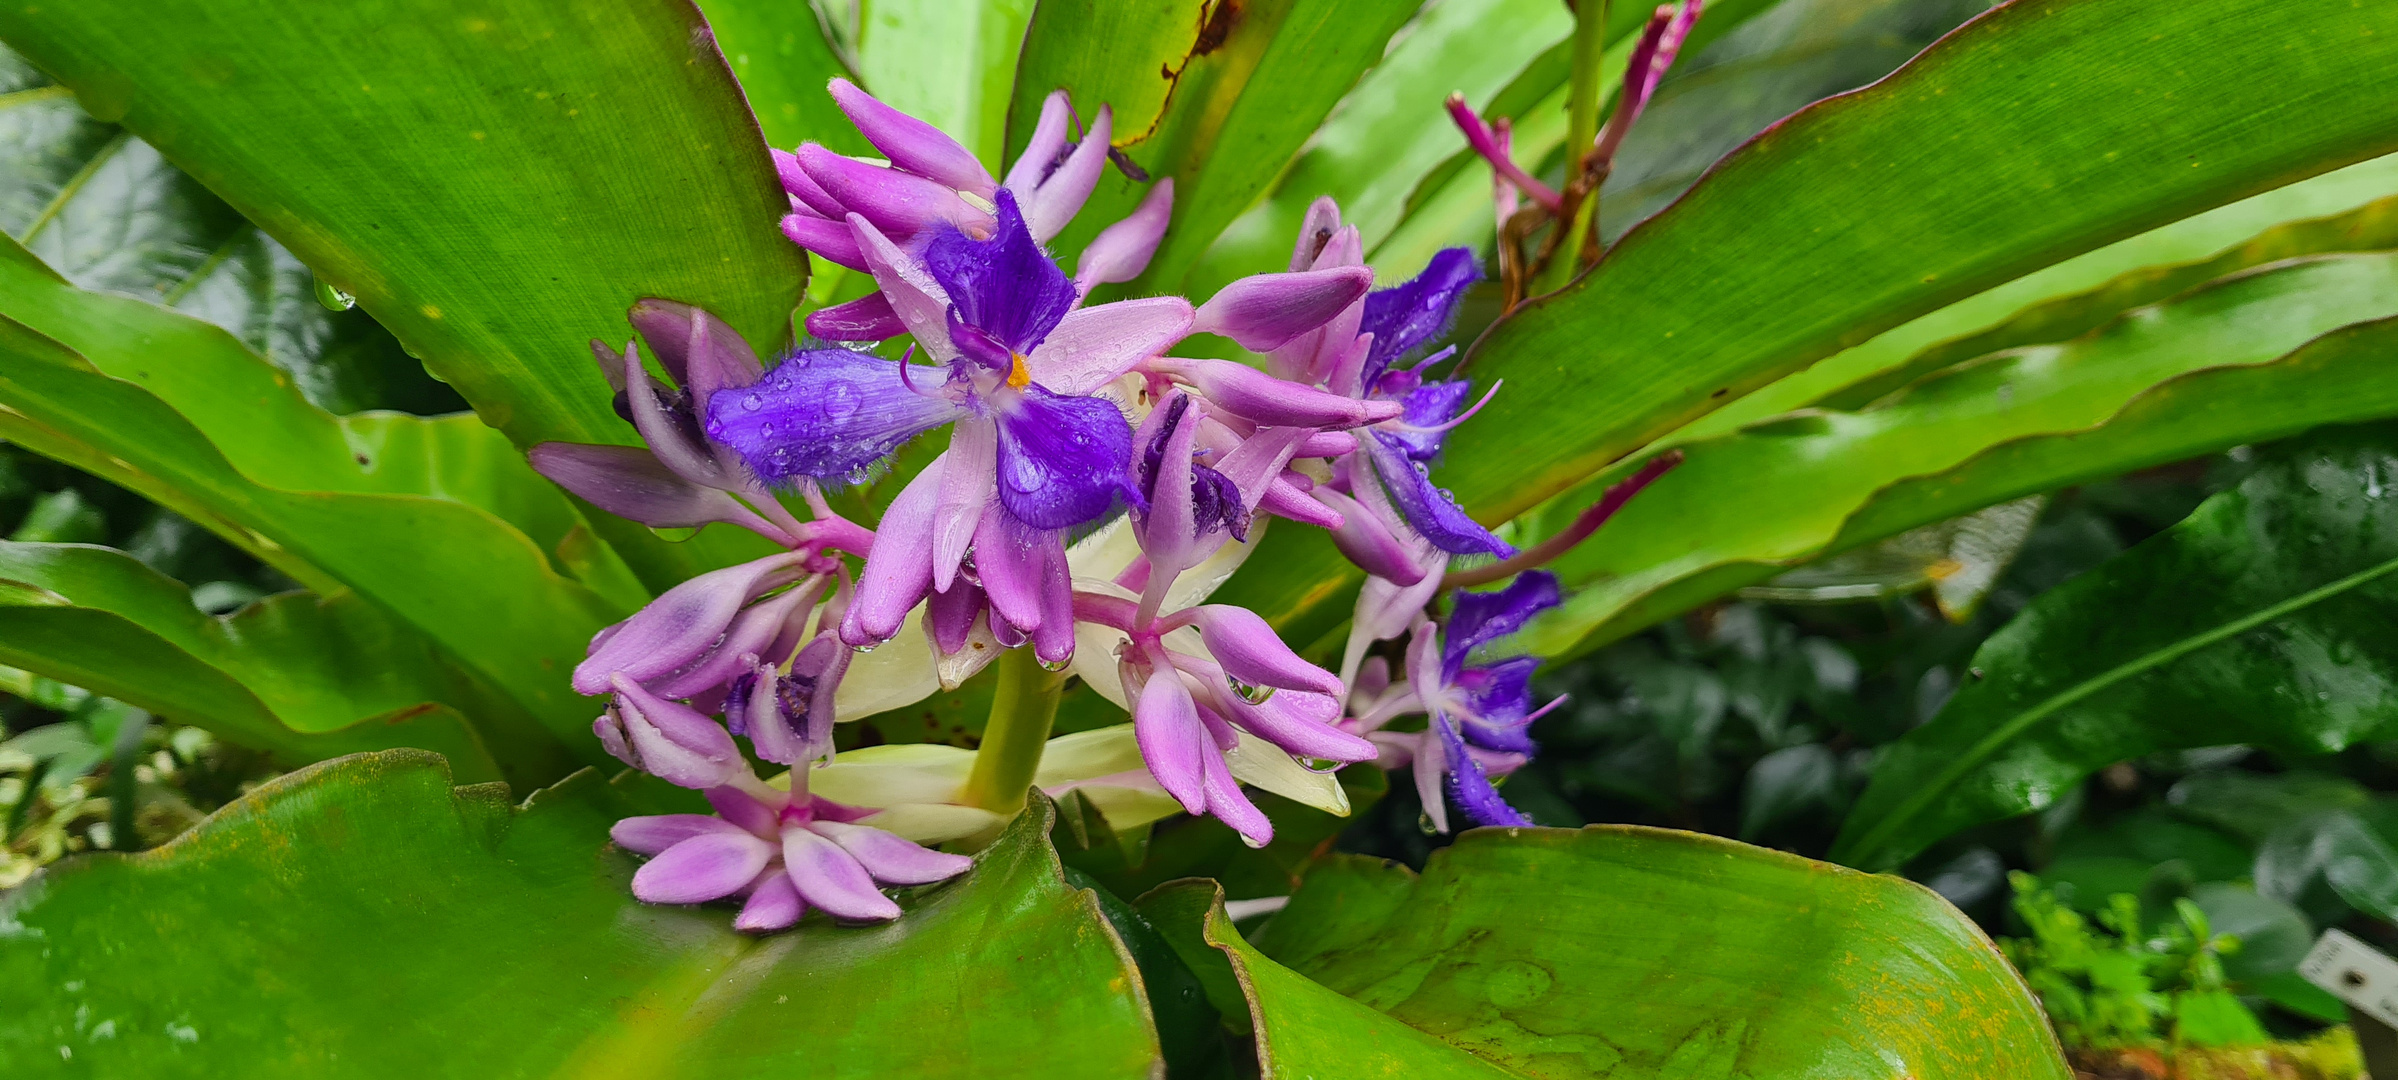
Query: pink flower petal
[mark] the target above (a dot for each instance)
(652, 835)
(830, 878)
(706, 867)
(890, 859)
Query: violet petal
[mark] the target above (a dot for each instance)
(899, 567)
(1165, 722)
(1265, 311)
(890, 859)
(1061, 194)
(1122, 250)
(1226, 801)
(706, 867)
(676, 629)
(1005, 286)
(867, 318)
(830, 239)
(1478, 618)
(1247, 392)
(910, 143)
(1467, 783)
(1062, 460)
(830, 878)
(1433, 513)
(773, 905)
(824, 414)
(630, 482)
(651, 835)
(1414, 313)
(901, 204)
(1249, 650)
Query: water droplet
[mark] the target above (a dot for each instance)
(751, 401)
(1056, 665)
(867, 648)
(334, 299)
(840, 402)
(1424, 822)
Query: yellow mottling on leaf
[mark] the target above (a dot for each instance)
(430, 311)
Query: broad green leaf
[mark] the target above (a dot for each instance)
(2260, 620)
(494, 181)
(290, 675)
(250, 409)
(1787, 491)
(455, 572)
(109, 213)
(398, 927)
(1301, 1028)
(1219, 100)
(1839, 222)
(2347, 209)
(950, 62)
(779, 52)
(1629, 951)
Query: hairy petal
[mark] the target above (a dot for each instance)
(1468, 784)
(1060, 196)
(867, 318)
(1416, 312)
(1433, 512)
(1005, 286)
(831, 239)
(901, 204)
(825, 414)
(1479, 618)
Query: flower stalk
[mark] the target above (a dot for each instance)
(1585, 96)
(1022, 712)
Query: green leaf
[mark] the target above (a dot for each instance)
(951, 63)
(2258, 620)
(1218, 96)
(109, 213)
(417, 930)
(1621, 950)
(2342, 210)
(286, 675)
(455, 572)
(779, 52)
(2187, 374)
(2149, 110)
(495, 182)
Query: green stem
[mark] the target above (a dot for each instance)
(1021, 715)
(1583, 101)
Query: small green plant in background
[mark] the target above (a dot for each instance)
(2117, 985)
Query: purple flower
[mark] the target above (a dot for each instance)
(843, 208)
(781, 854)
(1188, 715)
(1476, 716)
(1033, 452)
(682, 480)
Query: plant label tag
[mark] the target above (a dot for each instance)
(2356, 973)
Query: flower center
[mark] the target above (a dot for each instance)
(1018, 375)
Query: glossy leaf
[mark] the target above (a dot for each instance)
(494, 182)
(951, 63)
(2262, 619)
(516, 945)
(1788, 491)
(1218, 96)
(453, 571)
(290, 674)
(2344, 210)
(1728, 290)
(779, 53)
(1621, 950)
(1838, 223)
(109, 213)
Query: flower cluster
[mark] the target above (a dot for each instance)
(1093, 489)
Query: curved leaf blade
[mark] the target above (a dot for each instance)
(2263, 618)
(515, 945)
(1837, 224)
(282, 675)
(1623, 950)
(528, 169)
(1742, 506)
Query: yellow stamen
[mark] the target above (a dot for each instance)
(1019, 376)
